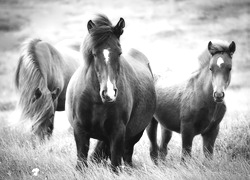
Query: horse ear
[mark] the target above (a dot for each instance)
(90, 25)
(211, 48)
(232, 48)
(55, 93)
(118, 29)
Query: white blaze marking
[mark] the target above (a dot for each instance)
(220, 61)
(106, 55)
(110, 89)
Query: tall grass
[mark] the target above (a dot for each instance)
(56, 158)
(168, 36)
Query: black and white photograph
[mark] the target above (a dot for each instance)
(124, 89)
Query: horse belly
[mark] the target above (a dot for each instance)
(169, 118)
(141, 115)
(138, 123)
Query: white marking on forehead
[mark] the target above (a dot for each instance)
(106, 55)
(110, 89)
(220, 61)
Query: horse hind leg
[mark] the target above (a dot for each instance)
(129, 149)
(208, 142)
(152, 135)
(166, 136)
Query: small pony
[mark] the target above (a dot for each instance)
(41, 78)
(195, 106)
(111, 97)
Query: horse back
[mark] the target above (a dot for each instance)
(139, 56)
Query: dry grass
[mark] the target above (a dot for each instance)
(172, 34)
(56, 158)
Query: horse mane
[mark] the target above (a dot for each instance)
(28, 56)
(96, 37)
(205, 56)
(28, 77)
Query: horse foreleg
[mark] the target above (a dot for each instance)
(166, 136)
(187, 134)
(152, 135)
(129, 148)
(208, 142)
(82, 146)
(117, 147)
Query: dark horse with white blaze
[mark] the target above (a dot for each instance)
(195, 106)
(111, 97)
(41, 78)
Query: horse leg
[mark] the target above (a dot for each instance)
(152, 135)
(117, 147)
(82, 146)
(208, 142)
(187, 135)
(129, 149)
(101, 152)
(166, 135)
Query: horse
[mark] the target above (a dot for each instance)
(41, 78)
(111, 97)
(194, 106)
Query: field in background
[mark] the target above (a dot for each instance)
(172, 34)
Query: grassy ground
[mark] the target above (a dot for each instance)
(172, 34)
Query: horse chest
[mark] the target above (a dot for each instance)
(102, 121)
(202, 119)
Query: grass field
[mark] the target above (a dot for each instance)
(172, 34)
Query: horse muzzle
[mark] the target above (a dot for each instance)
(109, 96)
(219, 96)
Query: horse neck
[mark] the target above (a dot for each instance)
(204, 84)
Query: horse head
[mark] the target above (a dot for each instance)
(106, 52)
(43, 104)
(220, 67)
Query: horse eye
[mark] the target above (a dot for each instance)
(38, 93)
(229, 69)
(53, 96)
(210, 69)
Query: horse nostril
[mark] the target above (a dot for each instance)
(116, 91)
(103, 93)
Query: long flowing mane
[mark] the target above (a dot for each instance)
(28, 57)
(219, 46)
(28, 77)
(98, 35)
